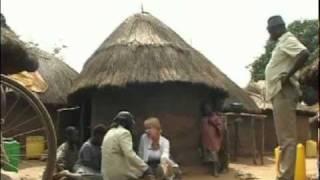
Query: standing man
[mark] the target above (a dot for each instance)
(282, 89)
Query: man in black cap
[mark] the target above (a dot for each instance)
(283, 90)
(119, 161)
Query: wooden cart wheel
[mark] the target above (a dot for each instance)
(23, 115)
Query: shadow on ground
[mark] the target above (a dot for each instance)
(203, 173)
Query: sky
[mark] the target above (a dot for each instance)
(230, 33)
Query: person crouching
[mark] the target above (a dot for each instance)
(154, 149)
(119, 161)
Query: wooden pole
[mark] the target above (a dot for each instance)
(253, 136)
(82, 116)
(262, 142)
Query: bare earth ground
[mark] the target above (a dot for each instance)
(268, 171)
(31, 170)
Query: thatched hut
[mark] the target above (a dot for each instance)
(256, 90)
(14, 54)
(148, 69)
(310, 75)
(18, 57)
(310, 80)
(57, 76)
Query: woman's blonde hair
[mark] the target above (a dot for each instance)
(153, 122)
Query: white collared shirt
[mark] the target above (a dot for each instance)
(282, 60)
(146, 144)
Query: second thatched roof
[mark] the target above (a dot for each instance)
(57, 74)
(144, 50)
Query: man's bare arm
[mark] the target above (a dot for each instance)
(300, 60)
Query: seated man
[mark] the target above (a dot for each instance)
(89, 161)
(67, 152)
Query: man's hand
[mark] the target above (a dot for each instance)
(284, 78)
(148, 174)
(59, 167)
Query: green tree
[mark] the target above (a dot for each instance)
(306, 31)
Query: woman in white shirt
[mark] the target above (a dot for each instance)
(154, 149)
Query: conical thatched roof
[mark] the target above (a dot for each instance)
(14, 55)
(144, 50)
(57, 74)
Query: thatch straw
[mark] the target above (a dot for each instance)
(144, 50)
(14, 55)
(57, 74)
(310, 75)
(256, 90)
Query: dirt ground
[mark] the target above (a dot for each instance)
(268, 171)
(31, 170)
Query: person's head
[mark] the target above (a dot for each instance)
(125, 119)
(98, 134)
(71, 134)
(152, 127)
(218, 104)
(206, 108)
(2, 20)
(276, 27)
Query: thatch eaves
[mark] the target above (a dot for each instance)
(144, 50)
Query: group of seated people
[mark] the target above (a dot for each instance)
(109, 155)
(73, 163)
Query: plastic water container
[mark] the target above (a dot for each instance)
(34, 147)
(277, 154)
(311, 149)
(13, 152)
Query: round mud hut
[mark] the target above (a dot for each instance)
(51, 82)
(310, 74)
(58, 76)
(146, 68)
(40, 72)
(309, 80)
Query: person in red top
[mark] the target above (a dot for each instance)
(212, 133)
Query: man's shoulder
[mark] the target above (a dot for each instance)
(290, 38)
(121, 130)
(63, 146)
(86, 144)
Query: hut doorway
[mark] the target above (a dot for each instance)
(85, 120)
(67, 117)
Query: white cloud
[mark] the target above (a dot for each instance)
(230, 33)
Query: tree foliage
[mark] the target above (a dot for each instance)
(306, 31)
